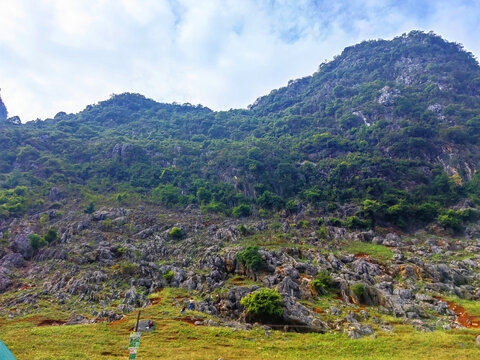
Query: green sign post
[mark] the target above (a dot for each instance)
(134, 342)
(133, 345)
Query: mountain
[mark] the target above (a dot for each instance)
(346, 201)
(396, 122)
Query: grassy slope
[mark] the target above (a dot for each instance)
(175, 339)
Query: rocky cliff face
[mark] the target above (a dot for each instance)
(120, 256)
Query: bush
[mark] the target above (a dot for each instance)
(322, 232)
(302, 224)
(126, 268)
(322, 283)
(333, 221)
(168, 276)
(175, 233)
(107, 224)
(241, 211)
(269, 200)
(36, 242)
(251, 258)
(51, 236)
(244, 230)
(90, 209)
(263, 305)
(449, 221)
(291, 206)
(354, 222)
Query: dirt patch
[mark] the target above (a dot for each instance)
(462, 316)
(361, 255)
(50, 322)
(155, 301)
(238, 281)
(189, 320)
(117, 321)
(318, 310)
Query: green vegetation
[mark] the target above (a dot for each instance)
(360, 291)
(251, 258)
(168, 276)
(36, 242)
(175, 233)
(322, 283)
(379, 252)
(90, 209)
(241, 210)
(178, 340)
(263, 305)
(288, 148)
(51, 236)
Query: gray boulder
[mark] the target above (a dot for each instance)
(12, 260)
(21, 243)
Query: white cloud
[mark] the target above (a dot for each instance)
(58, 55)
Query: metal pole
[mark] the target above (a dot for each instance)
(138, 320)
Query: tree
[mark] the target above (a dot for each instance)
(51, 236)
(90, 209)
(269, 200)
(36, 242)
(251, 258)
(241, 210)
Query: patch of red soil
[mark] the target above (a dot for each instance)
(117, 321)
(462, 317)
(361, 255)
(238, 280)
(155, 301)
(188, 320)
(50, 322)
(318, 310)
(26, 286)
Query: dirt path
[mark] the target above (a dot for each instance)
(462, 317)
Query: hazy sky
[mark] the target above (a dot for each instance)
(61, 55)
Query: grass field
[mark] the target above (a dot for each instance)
(175, 338)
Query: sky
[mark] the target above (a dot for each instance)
(62, 55)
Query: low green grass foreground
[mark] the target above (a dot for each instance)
(174, 338)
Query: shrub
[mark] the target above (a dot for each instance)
(449, 221)
(354, 222)
(269, 200)
(175, 233)
(333, 221)
(322, 232)
(127, 268)
(291, 206)
(51, 236)
(215, 207)
(107, 224)
(168, 276)
(262, 213)
(36, 242)
(263, 304)
(244, 230)
(251, 258)
(302, 224)
(90, 209)
(241, 211)
(322, 283)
